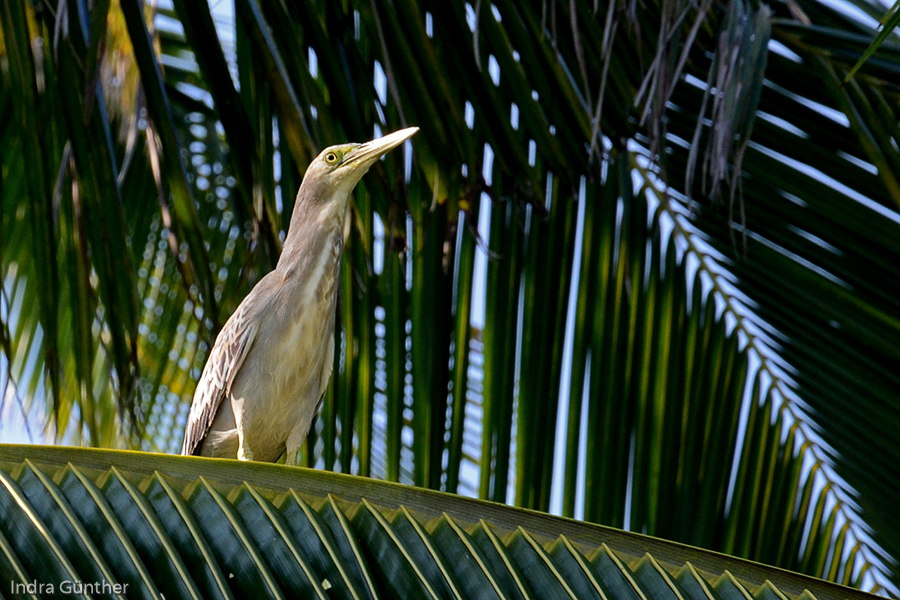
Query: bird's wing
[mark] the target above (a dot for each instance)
(326, 369)
(222, 365)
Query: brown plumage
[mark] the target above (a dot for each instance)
(270, 365)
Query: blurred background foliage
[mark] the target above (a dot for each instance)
(640, 266)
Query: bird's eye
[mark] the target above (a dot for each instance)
(331, 158)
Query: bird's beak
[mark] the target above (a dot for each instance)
(366, 154)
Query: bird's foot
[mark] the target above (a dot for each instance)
(244, 453)
(292, 458)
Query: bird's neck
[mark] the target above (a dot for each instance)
(312, 229)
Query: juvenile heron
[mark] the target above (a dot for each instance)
(268, 370)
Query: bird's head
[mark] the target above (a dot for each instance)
(334, 173)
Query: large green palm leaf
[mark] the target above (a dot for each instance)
(152, 527)
(729, 375)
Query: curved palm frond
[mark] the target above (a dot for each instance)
(153, 524)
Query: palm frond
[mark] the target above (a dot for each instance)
(153, 524)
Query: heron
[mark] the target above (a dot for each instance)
(268, 370)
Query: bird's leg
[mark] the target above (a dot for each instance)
(292, 459)
(244, 452)
(294, 444)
